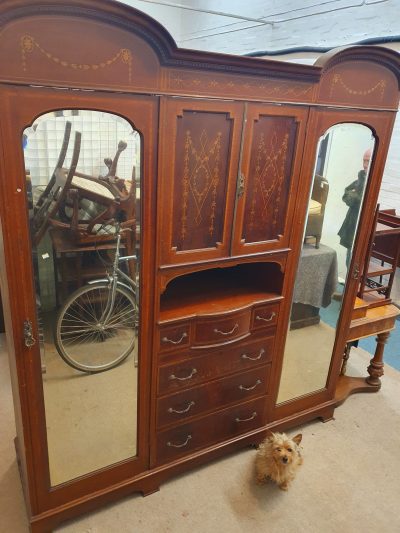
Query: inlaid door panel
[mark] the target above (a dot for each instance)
(270, 168)
(198, 172)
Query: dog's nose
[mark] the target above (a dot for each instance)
(284, 459)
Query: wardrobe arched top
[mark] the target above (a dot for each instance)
(102, 45)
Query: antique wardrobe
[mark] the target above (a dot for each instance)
(122, 380)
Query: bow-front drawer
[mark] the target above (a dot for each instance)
(221, 329)
(199, 400)
(215, 364)
(174, 336)
(264, 316)
(187, 438)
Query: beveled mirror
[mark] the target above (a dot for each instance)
(83, 194)
(340, 178)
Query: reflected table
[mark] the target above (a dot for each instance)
(315, 284)
(70, 264)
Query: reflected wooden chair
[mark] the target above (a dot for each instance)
(316, 209)
(56, 191)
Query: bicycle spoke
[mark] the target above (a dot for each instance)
(81, 340)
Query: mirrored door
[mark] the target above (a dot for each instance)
(340, 178)
(83, 170)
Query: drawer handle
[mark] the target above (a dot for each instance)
(252, 417)
(172, 445)
(166, 339)
(172, 410)
(192, 373)
(227, 332)
(245, 356)
(258, 382)
(266, 319)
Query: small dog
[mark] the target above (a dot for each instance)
(278, 458)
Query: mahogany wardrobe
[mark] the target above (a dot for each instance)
(178, 263)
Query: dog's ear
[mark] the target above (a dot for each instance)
(297, 438)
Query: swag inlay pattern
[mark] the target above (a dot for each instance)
(337, 80)
(178, 80)
(29, 43)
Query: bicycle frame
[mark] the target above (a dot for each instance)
(114, 281)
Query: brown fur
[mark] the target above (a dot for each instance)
(278, 458)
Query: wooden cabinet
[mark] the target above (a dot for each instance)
(209, 191)
(210, 204)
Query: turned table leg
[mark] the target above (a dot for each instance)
(375, 369)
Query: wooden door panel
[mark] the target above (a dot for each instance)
(198, 168)
(20, 107)
(269, 169)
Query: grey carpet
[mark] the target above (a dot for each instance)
(349, 483)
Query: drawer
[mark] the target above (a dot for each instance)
(186, 438)
(216, 364)
(175, 336)
(264, 316)
(221, 329)
(176, 408)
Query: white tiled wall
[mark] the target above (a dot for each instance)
(101, 133)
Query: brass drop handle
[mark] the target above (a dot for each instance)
(171, 444)
(273, 314)
(172, 410)
(252, 417)
(29, 339)
(242, 387)
(245, 356)
(166, 339)
(227, 332)
(192, 373)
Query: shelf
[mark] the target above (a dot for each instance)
(374, 269)
(220, 290)
(374, 299)
(384, 229)
(375, 289)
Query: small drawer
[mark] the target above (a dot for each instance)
(215, 364)
(264, 316)
(174, 337)
(217, 394)
(187, 438)
(219, 330)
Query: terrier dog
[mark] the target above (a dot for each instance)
(278, 458)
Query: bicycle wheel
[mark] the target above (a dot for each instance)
(81, 340)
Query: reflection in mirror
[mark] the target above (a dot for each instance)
(340, 176)
(83, 194)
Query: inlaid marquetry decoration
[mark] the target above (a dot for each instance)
(228, 85)
(377, 88)
(268, 178)
(29, 44)
(200, 179)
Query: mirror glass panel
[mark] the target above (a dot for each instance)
(83, 193)
(340, 177)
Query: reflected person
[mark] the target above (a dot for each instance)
(352, 197)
